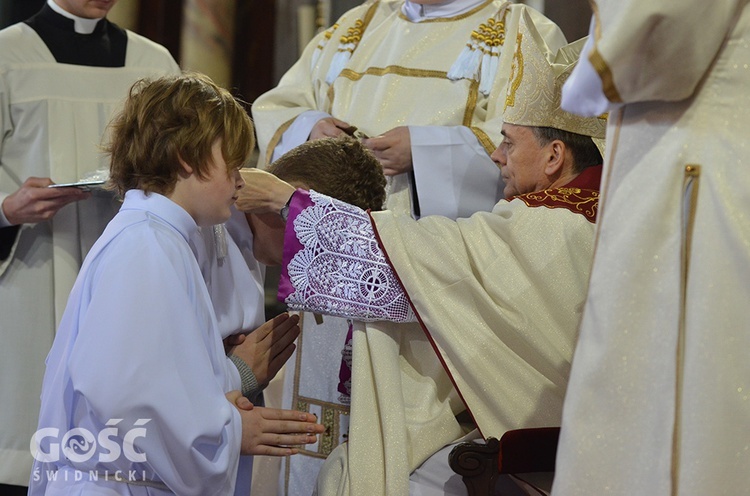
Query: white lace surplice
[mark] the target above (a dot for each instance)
(340, 269)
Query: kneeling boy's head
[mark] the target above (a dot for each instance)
(341, 168)
(177, 127)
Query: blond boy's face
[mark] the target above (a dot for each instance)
(209, 200)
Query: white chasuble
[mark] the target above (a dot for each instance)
(398, 75)
(658, 400)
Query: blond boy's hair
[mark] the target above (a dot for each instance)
(170, 118)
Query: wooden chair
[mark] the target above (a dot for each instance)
(520, 451)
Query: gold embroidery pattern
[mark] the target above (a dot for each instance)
(330, 416)
(516, 74)
(327, 441)
(484, 140)
(330, 413)
(605, 73)
(392, 69)
(580, 201)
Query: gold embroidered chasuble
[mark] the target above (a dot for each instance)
(499, 301)
(414, 60)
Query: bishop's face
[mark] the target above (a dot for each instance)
(88, 9)
(522, 161)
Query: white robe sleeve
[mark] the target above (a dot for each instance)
(688, 35)
(3, 219)
(298, 132)
(454, 176)
(582, 93)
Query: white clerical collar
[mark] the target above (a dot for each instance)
(82, 25)
(450, 8)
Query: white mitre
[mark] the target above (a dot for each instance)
(535, 86)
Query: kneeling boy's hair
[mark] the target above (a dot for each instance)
(341, 168)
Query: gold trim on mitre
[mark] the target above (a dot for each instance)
(535, 89)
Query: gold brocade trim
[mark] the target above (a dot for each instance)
(515, 79)
(690, 202)
(605, 74)
(393, 69)
(484, 140)
(330, 413)
(330, 93)
(275, 141)
(369, 15)
(459, 17)
(471, 102)
(577, 200)
(354, 33)
(598, 23)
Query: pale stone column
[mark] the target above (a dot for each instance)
(208, 38)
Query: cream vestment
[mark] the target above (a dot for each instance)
(659, 394)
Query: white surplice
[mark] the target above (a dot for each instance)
(140, 342)
(52, 117)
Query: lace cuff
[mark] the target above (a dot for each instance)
(334, 265)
